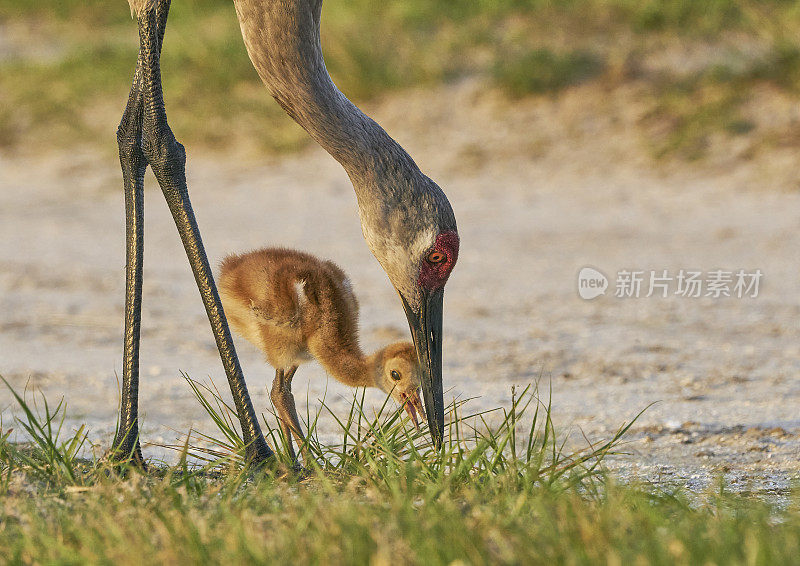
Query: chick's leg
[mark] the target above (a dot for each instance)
(283, 400)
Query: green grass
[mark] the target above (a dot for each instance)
(542, 71)
(524, 47)
(711, 101)
(503, 494)
(383, 444)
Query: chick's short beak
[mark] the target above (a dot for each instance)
(413, 406)
(426, 331)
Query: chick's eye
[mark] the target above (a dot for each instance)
(436, 257)
(395, 375)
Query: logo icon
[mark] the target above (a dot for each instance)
(591, 283)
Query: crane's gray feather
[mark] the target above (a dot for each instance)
(401, 209)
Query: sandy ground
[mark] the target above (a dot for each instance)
(540, 189)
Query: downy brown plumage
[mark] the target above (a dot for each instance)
(295, 307)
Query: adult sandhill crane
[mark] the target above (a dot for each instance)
(406, 219)
(295, 307)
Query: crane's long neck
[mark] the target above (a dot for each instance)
(283, 41)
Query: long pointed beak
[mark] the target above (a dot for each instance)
(426, 331)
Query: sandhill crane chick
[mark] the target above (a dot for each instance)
(295, 307)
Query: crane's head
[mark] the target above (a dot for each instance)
(412, 232)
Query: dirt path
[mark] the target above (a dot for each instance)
(539, 193)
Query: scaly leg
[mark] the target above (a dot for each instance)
(148, 139)
(126, 445)
(282, 398)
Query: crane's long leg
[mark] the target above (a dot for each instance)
(282, 398)
(126, 441)
(152, 140)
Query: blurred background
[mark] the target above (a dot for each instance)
(619, 134)
(696, 71)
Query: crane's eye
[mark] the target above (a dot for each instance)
(436, 257)
(395, 375)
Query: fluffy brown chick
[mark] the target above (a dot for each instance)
(295, 307)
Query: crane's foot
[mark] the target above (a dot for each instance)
(300, 472)
(124, 455)
(296, 472)
(259, 459)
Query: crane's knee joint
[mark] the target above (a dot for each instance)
(128, 140)
(164, 152)
(131, 157)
